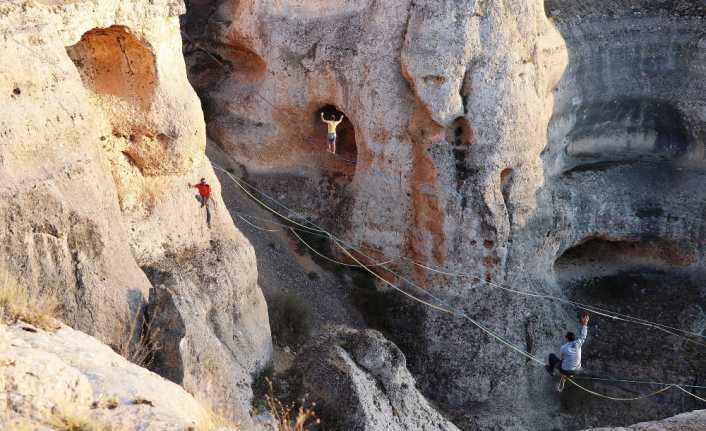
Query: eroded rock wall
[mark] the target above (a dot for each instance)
(101, 133)
(69, 379)
(554, 146)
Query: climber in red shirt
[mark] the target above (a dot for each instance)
(204, 191)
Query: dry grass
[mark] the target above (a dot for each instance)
(21, 424)
(142, 401)
(71, 417)
(287, 417)
(139, 350)
(19, 304)
(212, 420)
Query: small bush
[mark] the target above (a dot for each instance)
(71, 417)
(287, 417)
(260, 382)
(139, 349)
(142, 401)
(19, 304)
(290, 319)
(260, 387)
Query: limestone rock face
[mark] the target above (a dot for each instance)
(556, 146)
(100, 135)
(362, 383)
(692, 421)
(47, 378)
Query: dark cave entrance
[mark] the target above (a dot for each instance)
(346, 145)
(651, 279)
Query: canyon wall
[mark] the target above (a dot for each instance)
(101, 134)
(555, 146)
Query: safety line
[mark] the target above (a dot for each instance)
(429, 304)
(321, 255)
(588, 307)
(689, 393)
(256, 226)
(282, 226)
(594, 309)
(434, 306)
(263, 203)
(608, 397)
(641, 382)
(526, 354)
(293, 231)
(505, 342)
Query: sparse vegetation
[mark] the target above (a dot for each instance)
(19, 304)
(288, 417)
(212, 420)
(21, 424)
(139, 342)
(142, 401)
(72, 417)
(261, 384)
(290, 319)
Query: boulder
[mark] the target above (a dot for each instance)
(691, 421)
(360, 381)
(70, 380)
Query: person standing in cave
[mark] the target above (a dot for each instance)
(331, 136)
(204, 196)
(569, 359)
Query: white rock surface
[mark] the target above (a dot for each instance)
(100, 133)
(360, 382)
(47, 376)
(691, 421)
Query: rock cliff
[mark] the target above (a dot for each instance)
(692, 421)
(360, 382)
(556, 146)
(100, 133)
(69, 380)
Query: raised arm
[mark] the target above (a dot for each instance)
(584, 330)
(339, 120)
(322, 117)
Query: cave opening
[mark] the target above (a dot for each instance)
(118, 71)
(114, 64)
(346, 145)
(604, 256)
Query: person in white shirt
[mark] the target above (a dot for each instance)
(569, 359)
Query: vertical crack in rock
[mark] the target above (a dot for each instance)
(164, 315)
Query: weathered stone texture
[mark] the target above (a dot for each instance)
(360, 382)
(100, 133)
(560, 152)
(49, 377)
